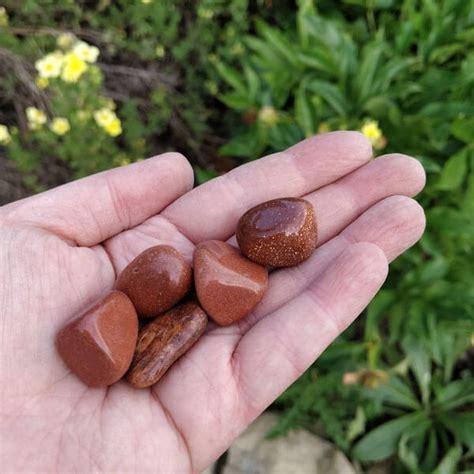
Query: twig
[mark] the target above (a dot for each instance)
(145, 74)
(92, 35)
(20, 69)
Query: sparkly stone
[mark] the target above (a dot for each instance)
(228, 285)
(278, 233)
(156, 280)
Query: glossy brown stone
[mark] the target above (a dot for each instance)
(98, 346)
(156, 280)
(278, 233)
(163, 341)
(227, 284)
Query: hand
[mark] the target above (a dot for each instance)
(61, 250)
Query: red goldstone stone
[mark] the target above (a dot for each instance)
(98, 346)
(156, 280)
(227, 284)
(278, 233)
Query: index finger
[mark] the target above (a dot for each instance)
(211, 211)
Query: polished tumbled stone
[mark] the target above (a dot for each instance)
(156, 280)
(228, 285)
(98, 346)
(278, 233)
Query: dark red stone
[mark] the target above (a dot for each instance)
(163, 341)
(278, 233)
(98, 346)
(227, 284)
(156, 280)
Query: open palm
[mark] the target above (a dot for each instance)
(61, 250)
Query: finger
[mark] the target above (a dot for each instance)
(90, 210)
(282, 346)
(211, 211)
(394, 225)
(340, 203)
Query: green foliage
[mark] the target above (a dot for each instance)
(157, 63)
(403, 73)
(398, 384)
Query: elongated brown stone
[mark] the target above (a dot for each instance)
(98, 346)
(163, 341)
(228, 285)
(156, 280)
(278, 233)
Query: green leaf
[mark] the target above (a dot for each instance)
(433, 270)
(366, 73)
(382, 442)
(468, 201)
(203, 175)
(303, 114)
(376, 310)
(418, 357)
(450, 221)
(431, 453)
(449, 462)
(331, 94)
(232, 77)
(455, 394)
(463, 130)
(454, 172)
(357, 425)
(396, 392)
(461, 424)
(236, 101)
(278, 41)
(407, 455)
(253, 83)
(245, 145)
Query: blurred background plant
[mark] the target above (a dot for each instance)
(87, 86)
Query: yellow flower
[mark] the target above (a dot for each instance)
(268, 115)
(65, 40)
(110, 104)
(3, 17)
(107, 119)
(74, 67)
(324, 127)
(124, 161)
(205, 13)
(50, 65)
(60, 126)
(237, 49)
(86, 52)
(36, 118)
(42, 82)
(160, 51)
(5, 137)
(83, 115)
(212, 87)
(372, 131)
(114, 128)
(104, 117)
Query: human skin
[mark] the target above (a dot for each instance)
(62, 249)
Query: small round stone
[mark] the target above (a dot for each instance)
(156, 280)
(98, 346)
(278, 233)
(228, 285)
